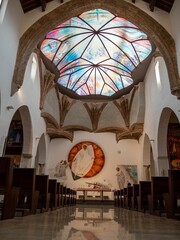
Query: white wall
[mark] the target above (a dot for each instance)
(157, 98)
(125, 152)
(29, 93)
(9, 32)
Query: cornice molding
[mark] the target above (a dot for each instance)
(49, 120)
(60, 133)
(55, 131)
(134, 132)
(77, 128)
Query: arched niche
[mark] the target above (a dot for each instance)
(167, 116)
(26, 157)
(161, 38)
(40, 158)
(148, 160)
(15, 138)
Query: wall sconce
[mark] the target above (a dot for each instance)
(9, 107)
(151, 140)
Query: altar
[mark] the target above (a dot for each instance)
(94, 194)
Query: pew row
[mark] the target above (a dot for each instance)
(135, 194)
(52, 189)
(25, 178)
(8, 193)
(159, 186)
(42, 185)
(172, 199)
(144, 191)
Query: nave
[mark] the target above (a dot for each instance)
(90, 222)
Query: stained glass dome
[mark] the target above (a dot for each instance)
(96, 52)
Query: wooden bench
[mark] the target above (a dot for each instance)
(74, 196)
(64, 199)
(53, 191)
(8, 193)
(68, 196)
(135, 194)
(129, 196)
(172, 199)
(42, 185)
(121, 197)
(59, 192)
(61, 196)
(144, 191)
(25, 178)
(116, 197)
(124, 197)
(159, 186)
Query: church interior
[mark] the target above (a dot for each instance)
(89, 119)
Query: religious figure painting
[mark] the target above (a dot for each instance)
(86, 159)
(173, 145)
(60, 169)
(126, 175)
(76, 234)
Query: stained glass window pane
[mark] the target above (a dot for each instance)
(96, 52)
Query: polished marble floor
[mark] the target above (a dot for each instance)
(90, 222)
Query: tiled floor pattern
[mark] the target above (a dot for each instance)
(83, 222)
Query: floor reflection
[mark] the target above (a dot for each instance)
(90, 223)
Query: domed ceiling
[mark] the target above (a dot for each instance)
(97, 54)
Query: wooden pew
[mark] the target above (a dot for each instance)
(58, 195)
(64, 199)
(25, 178)
(116, 197)
(8, 193)
(53, 191)
(124, 197)
(172, 199)
(42, 185)
(129, 196)
(121, 197)
(61, 196)
(144, 191)
(74, 197)
(68, 196)
(159, 186)
(135, 194)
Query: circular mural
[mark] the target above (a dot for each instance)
(86, 159)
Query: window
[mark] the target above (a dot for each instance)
(157, 72)
(1, 2)
(33, 68)
(3, 6)
(96, 52)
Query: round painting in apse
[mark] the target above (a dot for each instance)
(86, 159)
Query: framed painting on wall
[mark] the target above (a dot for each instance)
(126, 174)
(86, 159)
(173, 144)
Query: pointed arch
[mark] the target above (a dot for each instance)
(40, 158)
(148, 160)
(163, 161)
(161, 38)
(27, 136)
